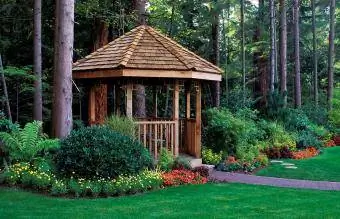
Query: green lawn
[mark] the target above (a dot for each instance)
(199, 201)
(325, 167)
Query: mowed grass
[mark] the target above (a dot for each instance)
(325, 167)
(194, 201)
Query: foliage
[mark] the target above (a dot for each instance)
(100, 152)
(166, 160)
(181, 177)
(78, 124)
(181, 163)
(306, 153)
(278, 152)
(306, 139)
(209, 157)
(29, 176)
(123, 125)
(7, 126)
(334, 114)
(276, 136)
(233, 134)
(263, 159)
(59, 187)
(25, 144)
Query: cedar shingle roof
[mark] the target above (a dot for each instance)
(144, 48)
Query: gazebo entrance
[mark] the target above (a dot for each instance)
(145, 56)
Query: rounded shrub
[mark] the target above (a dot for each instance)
(97, 151)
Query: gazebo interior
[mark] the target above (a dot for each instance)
(145, 59)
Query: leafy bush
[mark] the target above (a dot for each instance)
(25, 144)
(59, 187)
(233, 134)
(123, 125)
(7, 126)
(263, 159)
(209, 157)
(307, 139)
(276, 136)
(278, 152)
(166, 160)
(334, 114)
(78, 124)
(29, 176)
(100, 152)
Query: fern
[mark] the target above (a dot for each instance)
(25, 144)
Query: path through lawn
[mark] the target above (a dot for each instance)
(195, 201)
(325, 167)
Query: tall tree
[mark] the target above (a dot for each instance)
(296, 15)
(272, 45)
(62, 85)
(283, 49)
(243, 54)
(216, 50)
(315, 57)
(331, 53)
(139, 100)
(37, 112)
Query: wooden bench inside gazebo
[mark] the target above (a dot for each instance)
(145, 57)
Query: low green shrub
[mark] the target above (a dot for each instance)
(307, 139)
(209, 157)
(334, 114)
(234, 134)
(166, 160)
(59, 187)
(123, 125)
(95, 152)
(78, 124)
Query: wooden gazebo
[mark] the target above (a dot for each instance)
(145, 56)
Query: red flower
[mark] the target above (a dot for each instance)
(181, 177)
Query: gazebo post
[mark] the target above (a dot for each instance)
(92, 105)
(129, 87)
(155, 102)
(187, 99)
(198, 120)
(175, 112)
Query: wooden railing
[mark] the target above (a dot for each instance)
(155, 135)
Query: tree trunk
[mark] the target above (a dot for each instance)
(102, 34)
(315, 56)
(272, 45)
(139, 100)
(37, 113)
(172, 18)
(216, 51)
(243, 54)
(5, 90)
(296, 14)
(331, 54)
(283, 50)
(62, 87)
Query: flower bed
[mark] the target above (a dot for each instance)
(329, 144)
(303, 154)
(182, 177)
(26, 175)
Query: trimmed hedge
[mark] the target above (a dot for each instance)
(100, 152)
